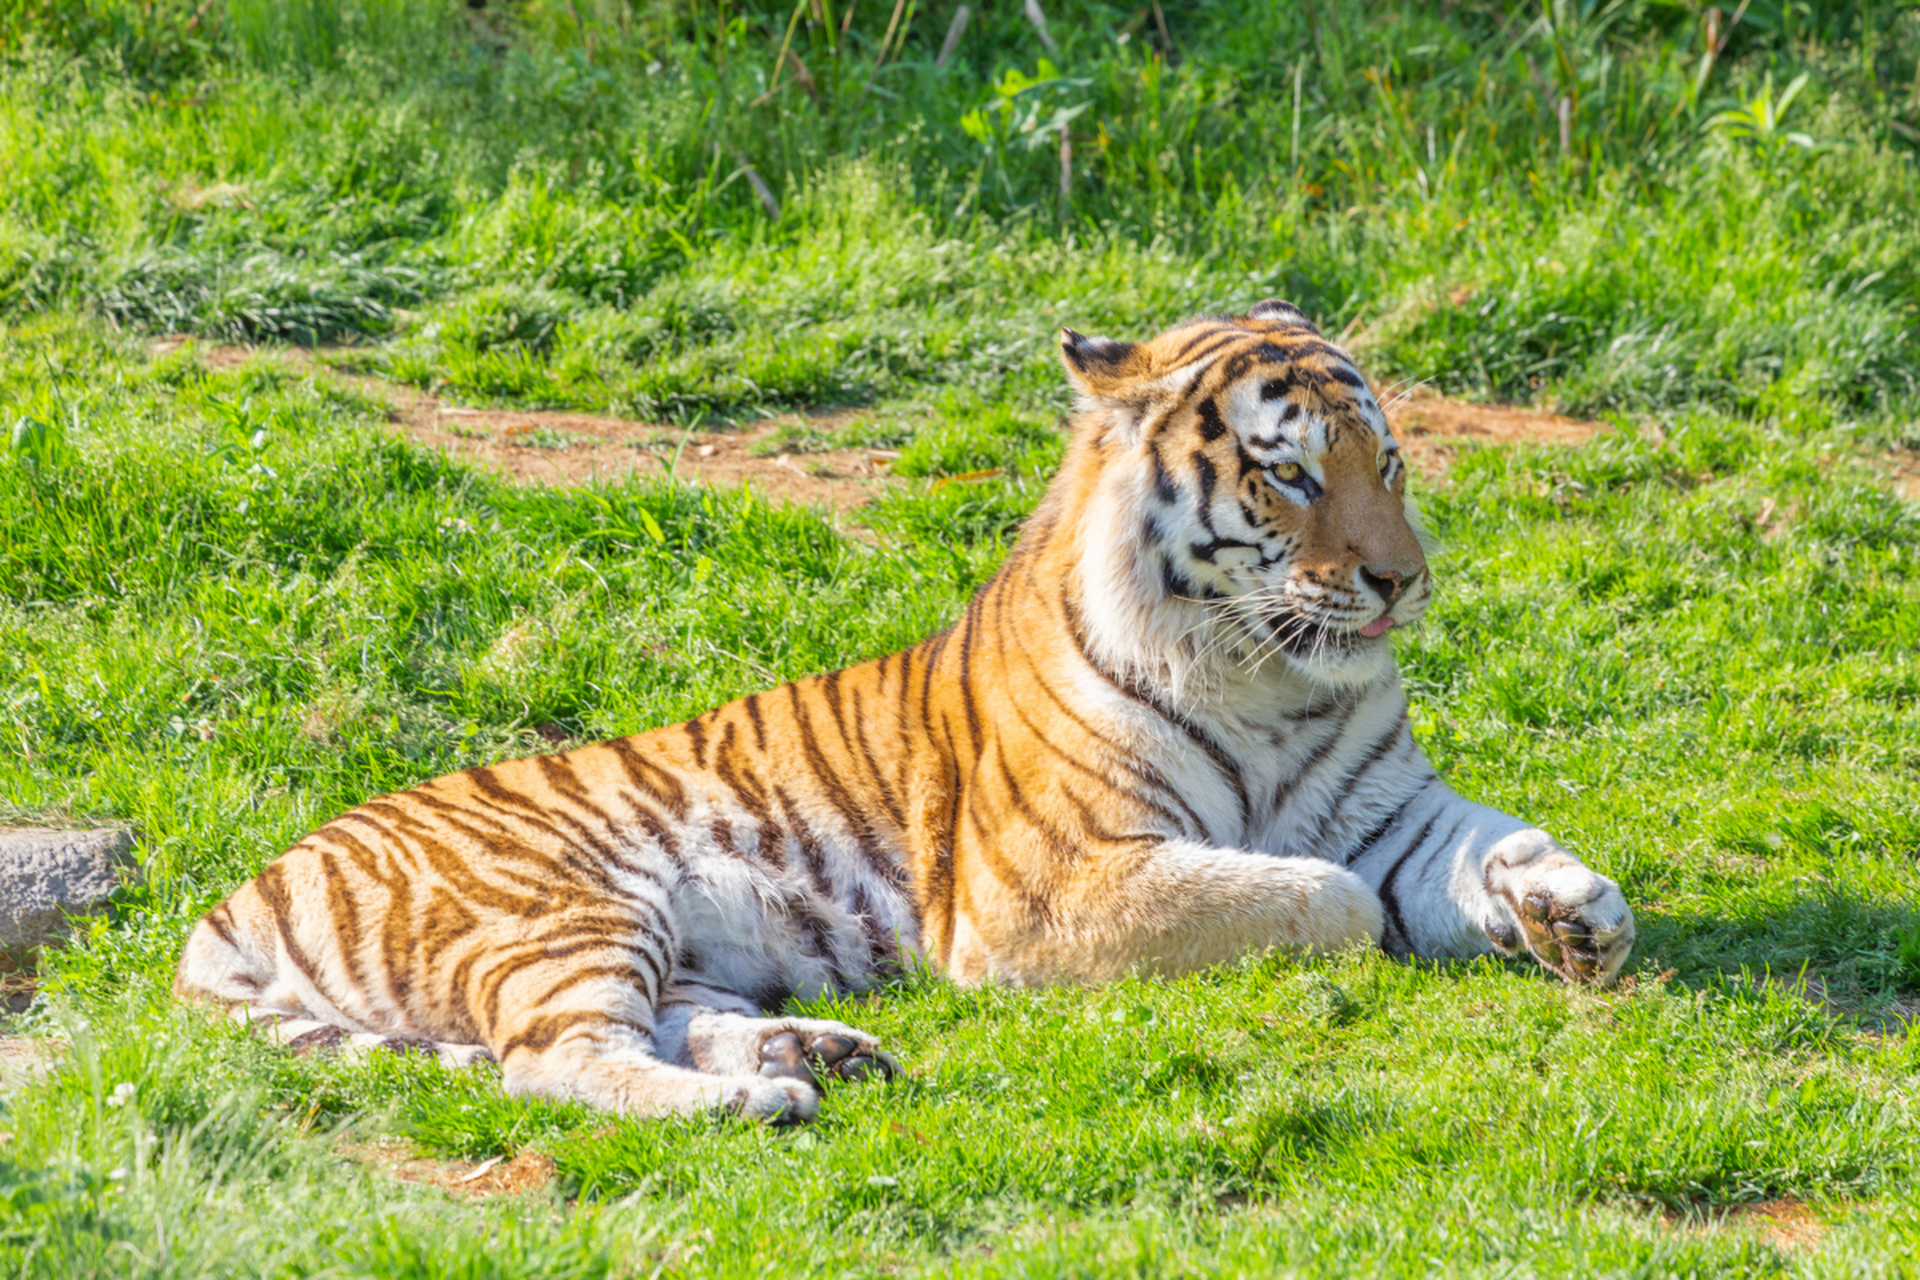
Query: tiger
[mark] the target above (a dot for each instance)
(1167, 733)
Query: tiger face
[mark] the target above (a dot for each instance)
(1265, 487)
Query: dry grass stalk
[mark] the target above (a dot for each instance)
(955, 29)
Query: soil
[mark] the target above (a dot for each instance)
(1785, 1223)
(540, 446)
(22, 1060)
(1906, 474)
(547, 447)
(525, 1172)
(1431, 429)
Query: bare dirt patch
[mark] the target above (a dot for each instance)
(544, 446)
(24, 1060)
(462, 1179)
(1906, 474)
(564, 447)
(21, 1058)
(551, 447)
(1431, 429)
(1786, 1223)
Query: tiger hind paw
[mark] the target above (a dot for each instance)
(795, 1055)
(808, 1050)
(302, 1035)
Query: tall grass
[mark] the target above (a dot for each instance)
(1505, 200)
(305, 37)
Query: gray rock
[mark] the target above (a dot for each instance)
(47, 876)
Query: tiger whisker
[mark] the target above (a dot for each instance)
(1401, 391)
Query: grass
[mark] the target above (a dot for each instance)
(231, 604)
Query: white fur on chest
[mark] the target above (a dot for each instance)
(1300, 785)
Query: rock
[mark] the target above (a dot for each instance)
(47, 876)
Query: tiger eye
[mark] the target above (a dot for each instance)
(1288, 471)
(1386, 463)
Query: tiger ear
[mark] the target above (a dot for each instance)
(1098, 367)
(1108, 375)
(1282, 312)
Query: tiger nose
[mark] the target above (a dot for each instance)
(1388, 584)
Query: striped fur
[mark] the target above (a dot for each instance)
(1167, 732)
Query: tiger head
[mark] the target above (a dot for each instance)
(1245, 501)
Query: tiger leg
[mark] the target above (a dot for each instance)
(305, 1035)
(587, 1025)
(724, 1034)
(1182, 906)
(566, 1003)
(240, 957)
(1461, 879)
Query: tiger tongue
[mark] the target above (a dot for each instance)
(1378, 626)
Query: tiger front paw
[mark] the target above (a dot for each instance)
(1569, 917)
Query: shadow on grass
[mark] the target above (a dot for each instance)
(1855, 955)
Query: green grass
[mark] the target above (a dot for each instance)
(231, 604)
